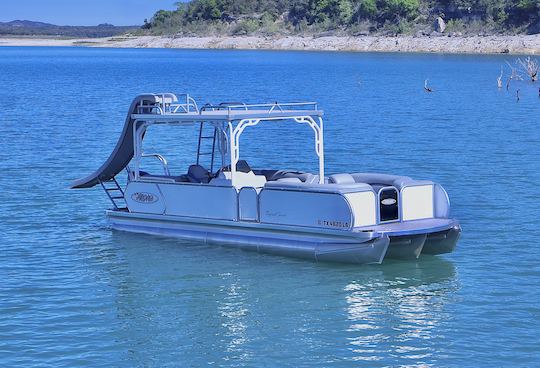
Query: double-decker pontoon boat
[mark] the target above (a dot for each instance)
(355, 218)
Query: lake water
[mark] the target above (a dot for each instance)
(75, 293)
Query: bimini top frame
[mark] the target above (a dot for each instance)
(237, 117)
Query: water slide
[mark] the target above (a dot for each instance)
(122, 153)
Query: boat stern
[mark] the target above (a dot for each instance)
(410, 239)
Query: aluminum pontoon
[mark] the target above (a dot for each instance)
(353, 218)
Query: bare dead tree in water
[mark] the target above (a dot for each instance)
(530, 67)
(426, 88)
(499, 79)
(514, 75)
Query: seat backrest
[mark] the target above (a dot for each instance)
(198, 174)
(243, 166)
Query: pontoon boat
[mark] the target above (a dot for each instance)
(354, 218)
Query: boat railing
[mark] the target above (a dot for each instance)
(161, 159)
(188, 106)
(269, 107)
(170, 104)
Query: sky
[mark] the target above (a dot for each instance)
(82, 12)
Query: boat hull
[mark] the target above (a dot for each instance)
(330, 246)
(324, 245)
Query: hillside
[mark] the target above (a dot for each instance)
(346, 17)
(29, 28)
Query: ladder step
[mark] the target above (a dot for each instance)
(118, 197)
(205, 153)
(207, 137)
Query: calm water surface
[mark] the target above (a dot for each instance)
(75, 293)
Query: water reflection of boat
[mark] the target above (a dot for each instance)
(399, 312)
(221, 312)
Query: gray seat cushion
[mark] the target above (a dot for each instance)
(289, 180)
(329, 188)
(341, 179)
(380, 179)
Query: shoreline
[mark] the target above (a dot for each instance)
(522, 44)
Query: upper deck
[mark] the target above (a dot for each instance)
(168, 109)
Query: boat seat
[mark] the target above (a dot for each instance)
(248, 179)
(198, 174)
(303, 176)
(241, 166)
(176, 178)
(289, 180)
(311, 179)
(244, 177)
(327, 188)
(341, 179)
(380, 180)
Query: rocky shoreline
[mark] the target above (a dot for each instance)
(523, 44)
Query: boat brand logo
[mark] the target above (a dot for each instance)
(388, 201)
(143, 197)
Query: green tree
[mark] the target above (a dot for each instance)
(367, 9)
(395, 9)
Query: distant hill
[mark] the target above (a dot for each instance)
(30, 28)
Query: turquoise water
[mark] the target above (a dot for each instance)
(74, 293)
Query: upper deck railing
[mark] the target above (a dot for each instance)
(232, 106)
(169, 103)
(167, 108)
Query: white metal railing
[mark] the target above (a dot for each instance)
(161, 159)
(168, 103)
(189, 106)
(262, 106)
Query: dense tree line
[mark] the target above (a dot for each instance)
(347, 16)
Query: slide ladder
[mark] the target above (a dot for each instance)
(115, 194)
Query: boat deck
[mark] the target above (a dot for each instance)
(431, 225)
(226, 115)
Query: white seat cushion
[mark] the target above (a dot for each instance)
(249, 179)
